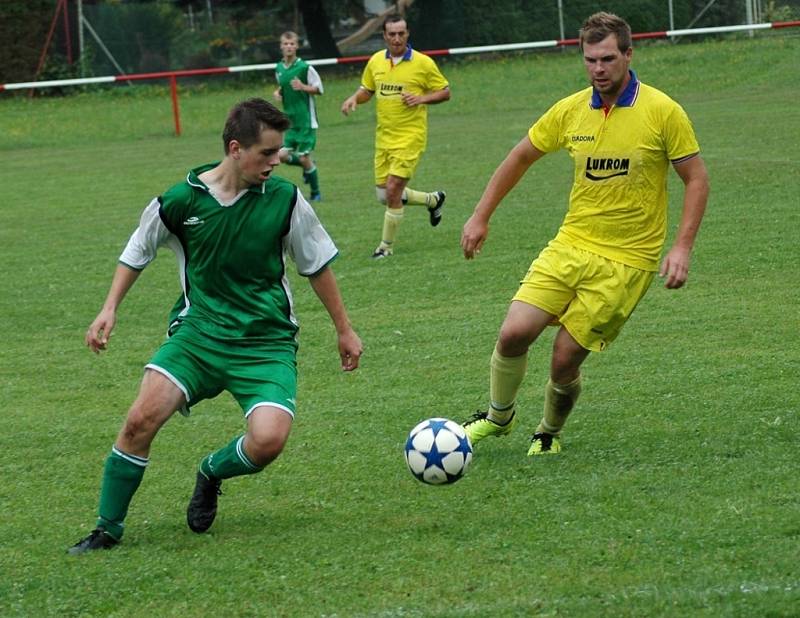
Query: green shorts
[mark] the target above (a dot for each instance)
(202, 367)
(590, 295)
(300, 140)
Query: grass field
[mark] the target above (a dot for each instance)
(677, 493)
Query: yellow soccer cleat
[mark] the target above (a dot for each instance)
(478, 427)
(544, 444)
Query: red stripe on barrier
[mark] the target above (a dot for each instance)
(650, 35)
(568, 42)
(170, 74)
(785, 24)
(352, 59)
(437, 52)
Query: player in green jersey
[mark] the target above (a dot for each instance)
(298, 84)
(232, 226)
(406, 82)
(623, 136)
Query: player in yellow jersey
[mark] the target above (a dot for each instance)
(622, 135)
(406, 82)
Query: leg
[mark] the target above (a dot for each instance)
(267, 432)
(395, 185)
(157, 400)
(561, 392)
(521, 327)
(288, 156)
(392, 192)
(268, 429)
(311, 177)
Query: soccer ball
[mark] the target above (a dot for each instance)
(438, 451)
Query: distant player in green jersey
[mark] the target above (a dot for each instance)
(232, 226)
(623, 136)
(406, 82)
(298, 84)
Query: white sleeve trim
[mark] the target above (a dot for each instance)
(147, 238)
(314, 79)
(307, 242)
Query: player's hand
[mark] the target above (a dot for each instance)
(473, 236)
(349, 105)
(100, 331)
(675, 268)
(277, 95)
(411, 100)
(350, 350)
(296, 84)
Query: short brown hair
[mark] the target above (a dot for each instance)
(249, 118)
(289, 34)
(392, 18)
(600, 25)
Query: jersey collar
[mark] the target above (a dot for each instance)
(193, 180)
(626, 99)
(406, 56)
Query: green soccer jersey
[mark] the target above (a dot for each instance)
(299, 105)
(232, 257)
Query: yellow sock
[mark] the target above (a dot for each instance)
(391, 221)
(559, 399)
(410, 196)
(506, 377)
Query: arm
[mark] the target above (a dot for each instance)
(312, 84)
(100, 329)
(350, 348)
(505, 178)
(362, 95)
(307, 88)
(277, 95)
(675, 266)
(431, 98)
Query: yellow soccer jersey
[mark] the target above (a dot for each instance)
(399, 126)
(618, 203)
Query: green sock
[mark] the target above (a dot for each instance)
(229, 461)
(312, 178)
(121, 478)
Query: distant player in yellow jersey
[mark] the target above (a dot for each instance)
(406, 82)
(622, 135)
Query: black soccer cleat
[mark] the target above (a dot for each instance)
(435, 213)
(202, 507)
(98, 539)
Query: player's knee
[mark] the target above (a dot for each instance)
(264, 448)
(139, 428)
(564, 366)
(513, 340)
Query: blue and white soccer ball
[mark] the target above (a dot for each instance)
(438, 451)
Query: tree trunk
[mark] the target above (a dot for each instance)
(318, 30)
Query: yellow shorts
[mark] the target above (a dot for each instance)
(397, 162)
(591, 296)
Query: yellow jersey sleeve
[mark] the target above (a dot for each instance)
(679, 138)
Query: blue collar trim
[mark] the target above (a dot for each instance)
(406, 56)
(626, 99)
